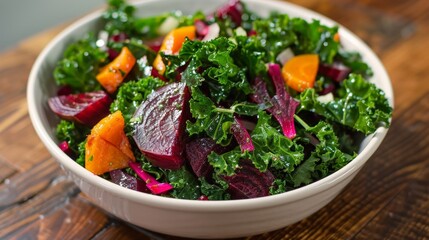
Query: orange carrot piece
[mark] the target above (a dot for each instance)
(114, 73)
(102, 157)
(337, 37)
(300, 72)
(111, 129)
(172, 44)
(107, 147)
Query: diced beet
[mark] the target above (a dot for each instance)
(252, 33)
(233, 9)
(64, 146)
(64, 90)
(159, 135)
(337, 71)
(203, 198)
(125, 180)
(155, 44)
(327, 88)
(196, 152)
(155, 73)
(86, 108)
(201, 28)
(120, 37)
(242, 135)
(249, 182)
(112, 53)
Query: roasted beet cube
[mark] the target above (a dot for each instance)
(249, 182)
(125, 180)
(197, 151)
(86, 108)
(159, 134)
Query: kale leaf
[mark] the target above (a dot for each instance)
(80, 65)
(279, 31)
(215, 191)
(326, 157)
(215, 121)
(73, 133)
(211, 65)
(359, 105)
(185, 184)
(119, 18)
(272, 150)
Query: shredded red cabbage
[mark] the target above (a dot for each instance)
(151, 183)
(283, 105)
(242, 136)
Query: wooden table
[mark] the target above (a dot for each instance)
(388, 199)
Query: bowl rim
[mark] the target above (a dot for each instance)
(195, 205)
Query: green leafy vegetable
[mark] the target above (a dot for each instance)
(215, 121)
(186, 185)
(80, 65)
(72, 133)
(215, 191)
(359, 105)
(325, 159)
(212, 64)
(272, 150)
(119, 18)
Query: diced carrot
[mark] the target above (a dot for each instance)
(172, 44)
(111, 129)
(300, 71)
(101, 156)
(107, 147)
(337, 37)
(114, 73)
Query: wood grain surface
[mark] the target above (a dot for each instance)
(388, 199)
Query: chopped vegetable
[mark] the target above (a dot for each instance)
(160, 129)
(300, 71)
(196, 152)
(114, 73)
(249, 182)
(131, 94)
(336, 71)
(107, 147)
(361, 105)
(172, 44)
(80, 65)
(125, 180)
(242, 136)
(86, 108)
(151, 183)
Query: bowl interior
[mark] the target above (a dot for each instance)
(41, 86)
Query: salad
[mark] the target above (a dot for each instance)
(217, 106)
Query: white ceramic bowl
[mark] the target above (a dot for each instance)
(187, 218)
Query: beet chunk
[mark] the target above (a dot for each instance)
(159, 134)
(125, 180)
(197, 151)
(249, 182)
(85, 108)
